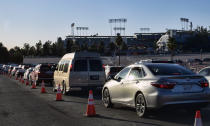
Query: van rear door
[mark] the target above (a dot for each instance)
(79, 75)
(96, 72)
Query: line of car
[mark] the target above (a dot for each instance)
(144, 85)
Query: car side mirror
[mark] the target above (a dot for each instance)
(118, 79)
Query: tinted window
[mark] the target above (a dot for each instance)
(95, 65)
(168, 69)
(66, 66)
(122, 74)
(80, 65)
(61, 67)
(135, 73)
(45, 68)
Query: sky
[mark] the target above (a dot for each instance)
(28, 21)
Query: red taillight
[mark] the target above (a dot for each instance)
(204, 84)
(165, 86)
(71, 66)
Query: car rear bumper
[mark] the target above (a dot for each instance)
(160, 99)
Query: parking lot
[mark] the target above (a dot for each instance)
(21, 105)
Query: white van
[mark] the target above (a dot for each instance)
(79, 70)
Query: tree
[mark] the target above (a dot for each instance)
(3, 54)
(60, 47)
(25, 49)
(69, 44)
(119, 42)
(172, 46)
(54, 49)
(112, 47)
(46, 48)
(32, 51)
(38, 48)
(16, 55)
(75, 47)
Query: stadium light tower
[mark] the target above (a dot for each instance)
(119, 25)
(82, 30)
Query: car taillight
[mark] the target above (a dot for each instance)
(204, 84)
(164, 86)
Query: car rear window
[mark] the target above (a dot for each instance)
(45, 68)
(168, 69)
(80, 65)
(95, 65)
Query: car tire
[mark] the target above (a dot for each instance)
(106, 99)
(64, 88)
(140, 105)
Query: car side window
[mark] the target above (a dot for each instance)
(66, 66)
(205, 72)
(122, 74)
(136, 73)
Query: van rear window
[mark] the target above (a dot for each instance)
(95, 65)
(80, 65)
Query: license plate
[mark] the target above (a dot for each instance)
(187, 87)
(94, 77)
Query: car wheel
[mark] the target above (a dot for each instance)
(140, 105)
(106, 99)
(64, 88)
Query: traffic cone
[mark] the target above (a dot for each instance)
(59, 94)
(90, 108)
(33, 85)
(27, 82)
(43, 87)
(198, 121)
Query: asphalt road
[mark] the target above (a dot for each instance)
(22, 106)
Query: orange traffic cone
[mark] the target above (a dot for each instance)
(198, 121)
(27, 83)
(59, 94)
(43, 87)
(33, 85)
(90, 108)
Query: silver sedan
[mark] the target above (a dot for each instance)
(145, 86)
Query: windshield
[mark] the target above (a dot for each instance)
(168, 69)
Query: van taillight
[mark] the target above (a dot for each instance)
(71, 66)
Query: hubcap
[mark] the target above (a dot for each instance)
(140, 105)
(106, 97)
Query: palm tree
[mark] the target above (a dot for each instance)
(172, 46)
